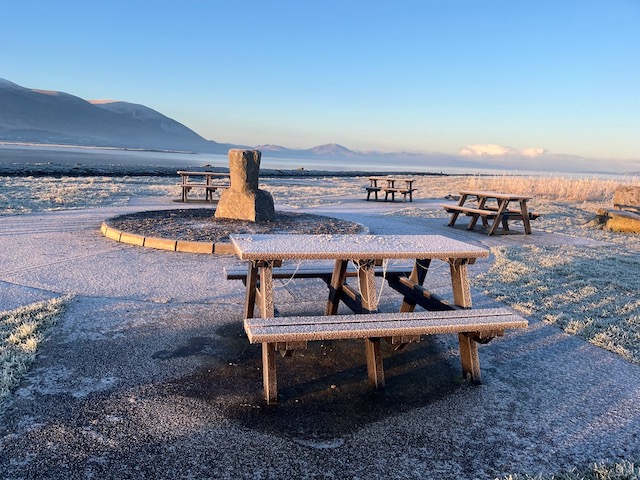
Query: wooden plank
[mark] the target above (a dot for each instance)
(500, 195)
(471, 326)
(192, 185)
(322, 272)
(335, 327)
(477, 211)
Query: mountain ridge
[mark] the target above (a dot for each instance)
(48, 116)
(41, 116)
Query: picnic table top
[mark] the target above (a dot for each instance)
(396, 179)
(351, 247)
(211, 174)
(488, 194)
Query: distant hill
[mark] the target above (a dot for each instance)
(330, 150)
(51, 117)
(41, 116)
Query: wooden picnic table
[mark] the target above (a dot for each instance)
(204, 181)
(264, 253)
(494, 207)
(390, 188)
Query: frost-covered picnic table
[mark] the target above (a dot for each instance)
(203, 180)
(391, 188)
(492, 206)
(369, 254)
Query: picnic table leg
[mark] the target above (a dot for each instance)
(418, 274)
(462, 297)
(474, 218)
(460, 282)
(375, 369)
(335, 287)
(267, 310)
(525, 216)
(454, 215)
(502, 207)
(469, 358)
(269, 378)
(367, 285)
(252, 281)
(265, 297)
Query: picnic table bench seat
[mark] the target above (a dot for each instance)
(286, 334)
(489, 212)
(323, 272)
(390, 188)
(204, 180)
(403, 191)
(486, 213)
(373, 190)
(209, 188)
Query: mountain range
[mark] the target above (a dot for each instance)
(52, 117)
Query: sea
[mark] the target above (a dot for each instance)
(60, 159)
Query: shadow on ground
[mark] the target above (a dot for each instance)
(323, 390)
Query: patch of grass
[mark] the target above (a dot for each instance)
(21, 332)
(598, 471)
(20, 195)
(591, 292)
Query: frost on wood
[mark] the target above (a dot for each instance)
(282, 247)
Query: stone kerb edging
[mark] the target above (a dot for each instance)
(186, 246)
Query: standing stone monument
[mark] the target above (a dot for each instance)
(243, 200)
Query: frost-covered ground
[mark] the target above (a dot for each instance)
(589, 291)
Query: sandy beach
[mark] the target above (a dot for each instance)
(145, 372)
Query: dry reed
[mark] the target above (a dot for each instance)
(553, 187)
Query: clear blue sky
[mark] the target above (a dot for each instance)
(431, 76)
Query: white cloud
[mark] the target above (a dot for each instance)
(492, 150)
(487, 149)
(533, 152)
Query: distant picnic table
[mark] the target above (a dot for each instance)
(389, 187)
(204, 180)
(494, 207)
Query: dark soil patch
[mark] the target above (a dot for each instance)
(199, 225)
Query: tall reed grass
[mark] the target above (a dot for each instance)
(553, 187)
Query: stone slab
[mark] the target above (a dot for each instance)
(160, 243)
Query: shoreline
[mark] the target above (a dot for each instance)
(60, 170)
